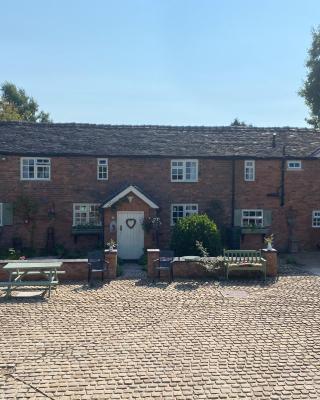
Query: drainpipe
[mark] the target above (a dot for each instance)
(283, 168)
(233, 182)
(102, 210)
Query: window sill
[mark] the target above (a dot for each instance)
(184, 181)
(35, 180)
(247, 231)
(92, 230)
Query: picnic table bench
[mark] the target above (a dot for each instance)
(18, 271)
(244, 260)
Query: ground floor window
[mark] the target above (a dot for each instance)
(252, 218)
(316, 219)
(86, 214)
(182, 210)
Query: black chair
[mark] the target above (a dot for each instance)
(164, 263)
(96, 263)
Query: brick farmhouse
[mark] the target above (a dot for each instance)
(74, 185)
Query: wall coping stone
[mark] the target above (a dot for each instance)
(63, 260)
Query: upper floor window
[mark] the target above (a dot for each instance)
(102, 169)
(252, 218)
(182, 210)
(294, 164)
(316, 219)
(35, 168)
(249, 170)
(184, 170)
(1, 212)
(86, 214)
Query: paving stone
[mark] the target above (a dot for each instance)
(133, 339)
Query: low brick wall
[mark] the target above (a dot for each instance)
(75, 270)
(189, 270)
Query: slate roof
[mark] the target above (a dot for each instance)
(51, 139)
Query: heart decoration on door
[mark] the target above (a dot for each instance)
(131, 222)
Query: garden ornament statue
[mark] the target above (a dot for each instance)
(269, 240)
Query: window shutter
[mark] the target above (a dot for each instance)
(267, 218)
(7, 213)
(237, 217)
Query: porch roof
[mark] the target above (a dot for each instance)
(129, 189)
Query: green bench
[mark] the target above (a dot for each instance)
(244, 260)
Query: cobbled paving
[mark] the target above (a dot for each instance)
(134, 339)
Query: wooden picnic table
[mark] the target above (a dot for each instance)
(18, 271)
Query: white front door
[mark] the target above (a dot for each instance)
(130, 234)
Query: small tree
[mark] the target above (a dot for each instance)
(190, 230)
(16, 105)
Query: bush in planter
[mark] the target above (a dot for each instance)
(189, 230)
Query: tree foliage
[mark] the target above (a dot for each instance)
(16, 105)
(190, 230)
(311, 87)
(237, 122)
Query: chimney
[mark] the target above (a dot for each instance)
(274, 140)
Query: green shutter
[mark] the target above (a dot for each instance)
(7, 213)
(267, 218)
(237, 217)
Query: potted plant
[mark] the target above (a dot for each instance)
(111, 245)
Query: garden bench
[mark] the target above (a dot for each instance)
(244, 260)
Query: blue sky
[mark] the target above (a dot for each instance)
(173, 62)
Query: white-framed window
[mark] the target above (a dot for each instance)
(102, 169)
(1, 214)
(184, 170)
(294, 164)
(249, 170)
(35, 169)
(252, 218)
(316, 219)
(86, 214)
(182, 210)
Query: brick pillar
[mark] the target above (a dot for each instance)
(111, 258)
(153, 254)
(272, 261)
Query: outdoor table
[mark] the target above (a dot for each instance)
(18, 271)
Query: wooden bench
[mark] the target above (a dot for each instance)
(244, 260)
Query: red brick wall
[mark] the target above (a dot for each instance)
(74, 181)
(189, 270)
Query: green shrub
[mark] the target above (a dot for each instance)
(189, 230)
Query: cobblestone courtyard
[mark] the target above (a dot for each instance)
(187, 340)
